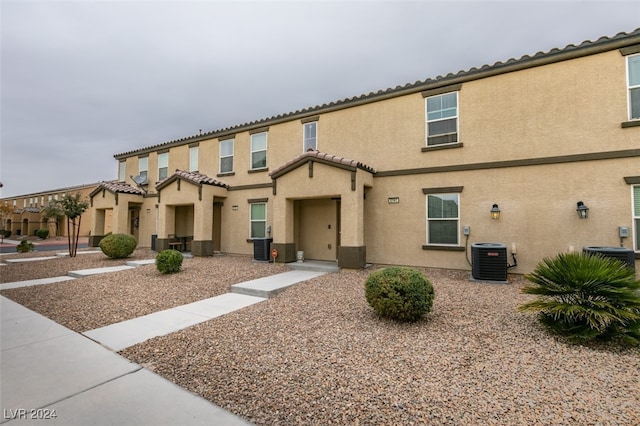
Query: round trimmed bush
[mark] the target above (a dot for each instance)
(402, 294)
(42, 233)
(118, 246)
(25, 246)
(169, 261)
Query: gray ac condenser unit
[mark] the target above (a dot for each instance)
(489, 261)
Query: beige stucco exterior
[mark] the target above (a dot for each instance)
(27, 214)
(535, 136)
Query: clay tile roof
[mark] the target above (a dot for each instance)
(322, 157)
(586, 47)
(118, 187)
(193, 177)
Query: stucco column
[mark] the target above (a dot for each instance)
(202, 244)
(121, 218)
(352, 251)
(283, 226)
(352, 218)
(97, 227)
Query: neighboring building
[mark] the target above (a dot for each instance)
(395, 177)
(27, 212)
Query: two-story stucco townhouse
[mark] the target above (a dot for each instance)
(402, 175)
(27, 212)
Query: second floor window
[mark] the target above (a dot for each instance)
(442, 119)
(226, 156)
(163, 166)
(143, 168)
(193, 159)
(259, 151)
(122, 171)
(310, 139)
(633, 65)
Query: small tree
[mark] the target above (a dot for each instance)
(73, 206)
(5, 211)
(53, 211)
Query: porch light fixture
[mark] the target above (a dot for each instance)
(495, 212)
(582, 210)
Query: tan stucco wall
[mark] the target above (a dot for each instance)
(568, 109)
(537, 206)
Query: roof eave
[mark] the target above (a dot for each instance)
(569, 52)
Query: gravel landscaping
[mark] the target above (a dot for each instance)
(318, 354)
(91, 302)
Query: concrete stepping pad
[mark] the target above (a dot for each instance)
(40, 281)
(66, 253)
(86, 272)
(272, 285)
(29, 259)
(140, 262)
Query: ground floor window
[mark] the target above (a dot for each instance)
(443, 212)
(636, 215)
(258, 220)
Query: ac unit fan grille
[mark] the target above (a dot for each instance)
(489, 261)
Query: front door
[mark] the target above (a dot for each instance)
(318, 229)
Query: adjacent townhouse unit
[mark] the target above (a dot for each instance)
(540, 154)
(25, 214)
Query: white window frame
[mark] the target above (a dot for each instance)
(306, 141)
(143, 168)
(255, 151)
(252, 220)
(227, 142)
(193, 158)
(633, 87)
(456, 219)
(122, 171)
(163, 164)
(442, 119)
(635, 214)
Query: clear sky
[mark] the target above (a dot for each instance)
(84, 80)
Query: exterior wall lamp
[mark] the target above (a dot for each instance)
(582, 210)
(495, 212)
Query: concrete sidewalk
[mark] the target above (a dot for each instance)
(47, 370)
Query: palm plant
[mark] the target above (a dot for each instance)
(586, 297)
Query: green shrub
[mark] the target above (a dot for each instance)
(585, 297)
(169, 261)
(42, 233)
(118, 246)
(403, 294)
(25, 246)
(7, 233)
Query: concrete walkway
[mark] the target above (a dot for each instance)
(47, 369)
